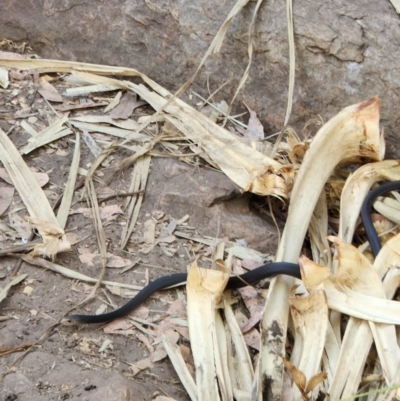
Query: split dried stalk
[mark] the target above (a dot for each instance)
(242, 366)
(63, 211)
(134, 203)
(358, 337)
(181, 369)
(50, 134)
(34, 199)
(310, 317)
(204, 289)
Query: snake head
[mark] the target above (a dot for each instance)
(69, 321)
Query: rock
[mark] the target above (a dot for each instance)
(213, 202)
(340, 46)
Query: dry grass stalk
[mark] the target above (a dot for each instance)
(46, 264)
(93, 204)
(65, 205)
(134, 203)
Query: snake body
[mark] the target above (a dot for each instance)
(250, 278)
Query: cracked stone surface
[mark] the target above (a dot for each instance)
(213, 202)
(346, 52)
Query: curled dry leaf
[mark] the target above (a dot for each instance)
(255, 129)
(298, 376)
(359, 336)
(297, 148)
(17, 280)
(355, 271)
(312, 274)
(315, 381)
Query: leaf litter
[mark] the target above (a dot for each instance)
(339, 279)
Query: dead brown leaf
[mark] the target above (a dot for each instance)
(127, 105)
(41, 178)
(6, 197)
(255, 129)
(119, 326)
(92, 259)
(187, 357)
(144, 339)
(48, 91)
(177, 309)
(297, 375)
(140, 365)
(160, 353)
(315, 380)
(107, 212)
(142, 312)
